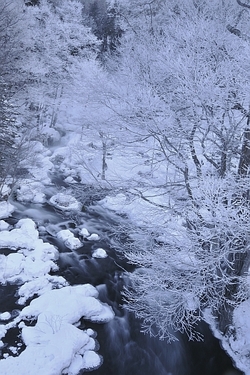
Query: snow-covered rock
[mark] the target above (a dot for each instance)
(34, 258)
(93, 237)
(6, 209)
(30, 191)
(65, 202)
(84, 232)
(69, 239)
(99, 253)
(5, 316)
(53, 348)
(3, 225)
(70, 304)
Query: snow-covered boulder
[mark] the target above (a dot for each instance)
(6, 209)
(69, 239)
(99, 253)
(65, 202)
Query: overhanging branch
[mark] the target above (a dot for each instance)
(238, 33)
(243, 4)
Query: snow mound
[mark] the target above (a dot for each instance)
(65, 202)
(5, 316)
(6, 209)
(93, 237)
(70, 304)
(34, 257)
(84, 232)
(99, 253)
(69, 239)
(40, 286)
(53, 348)
(3, 225)
(31, 191)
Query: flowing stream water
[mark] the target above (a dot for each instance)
(125, 350)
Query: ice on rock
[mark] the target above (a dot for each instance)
(91, 360)
(54, 345)
(3, 331)
(70, 180)
(90, 332)
(23, 236)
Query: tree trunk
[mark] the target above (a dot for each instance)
(244, 163)
(104, 154)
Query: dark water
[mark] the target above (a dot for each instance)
(125, 350)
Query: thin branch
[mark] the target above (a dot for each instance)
(238, 33)
(243, 4)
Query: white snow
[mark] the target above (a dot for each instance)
(53, 348)
(6, 189)
(5, 316)
(70, 304)
(6, 209)
(93, 237)
(64, 234)
(65, 202)
(137, 209)
(84, 232)
(73, 243)
(30, 191)
(39, 286)
(69, 239)
(54, 345)
(99, 253)
(41, 164)
(70, 180)
(34, 258)
(3, 225)
(50, 134)
(237, 343)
